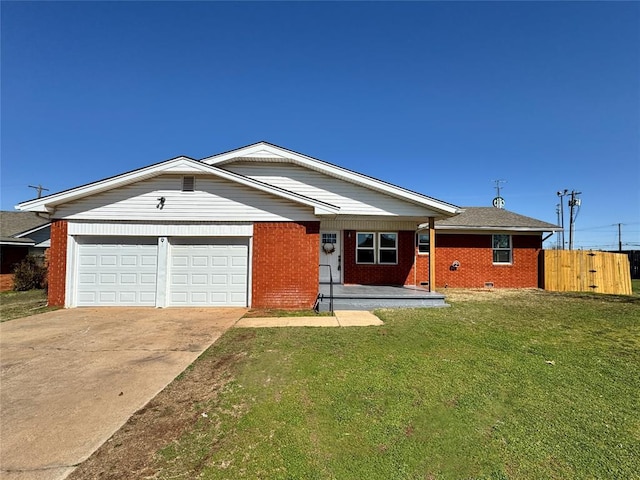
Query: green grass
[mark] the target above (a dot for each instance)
(534, 386)
(22, 304)
(635, 287)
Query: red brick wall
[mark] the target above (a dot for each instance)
(57, 263)
(475, 255)
(6, 282)
(363, 274)
(422, 268)
(285, 264)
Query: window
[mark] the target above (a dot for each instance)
(365, 249)
(388, 248)
(501, 248)
(422, 240)
(328, 242)
(188, 183)
(379, 248)
(329, 238)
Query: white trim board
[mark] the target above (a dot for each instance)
(161, 229)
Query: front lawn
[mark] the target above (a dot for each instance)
(523, 386)
(22, 304)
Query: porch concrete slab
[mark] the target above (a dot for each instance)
(71, 378)
(343, 318)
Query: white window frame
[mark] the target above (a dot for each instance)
(372, 248)
(419, 243)
(377, 248)
(329, 237)
(387, 249)
(495, 249)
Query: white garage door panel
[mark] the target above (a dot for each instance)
(208, 272)
(117, 271)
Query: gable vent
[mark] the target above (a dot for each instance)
(188, 183)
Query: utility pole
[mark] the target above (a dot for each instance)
(39, 188)
(559, 239)
(574, 202)
(562, 194)
(619, 236)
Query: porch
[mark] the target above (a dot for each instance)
(370, 297)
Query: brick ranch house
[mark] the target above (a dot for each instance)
(248, 227)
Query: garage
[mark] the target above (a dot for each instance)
(117, 271)
(208, 272)
(175, 271)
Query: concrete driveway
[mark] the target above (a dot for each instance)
(70, 378)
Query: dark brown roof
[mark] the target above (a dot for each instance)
(491, 218)
(15, 223)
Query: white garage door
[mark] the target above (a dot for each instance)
(208, 271)
(117, 271)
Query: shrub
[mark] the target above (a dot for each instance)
(29, 274)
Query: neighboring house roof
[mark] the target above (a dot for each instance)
(264, 151)
(15, 227)
(491, 218)
(179, 165)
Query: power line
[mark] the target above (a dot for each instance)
(585, 229)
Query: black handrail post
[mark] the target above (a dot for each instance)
(330, 286)
(330, 291)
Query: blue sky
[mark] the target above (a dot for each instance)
(441, 98)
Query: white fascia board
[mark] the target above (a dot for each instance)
(266, 150)
(23, 243)
(177, 165)
(29, 232)
(47, 204)
(256, 150)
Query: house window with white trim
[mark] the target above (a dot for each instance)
(422, 240)
(501, 248)
(380, 248)
(365, 247)
(388, 248)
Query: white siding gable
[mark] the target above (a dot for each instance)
(352, 199)
(214, 199)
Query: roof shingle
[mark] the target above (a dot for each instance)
(14, 223)
(493, 218)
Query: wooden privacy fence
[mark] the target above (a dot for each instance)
(586, 271)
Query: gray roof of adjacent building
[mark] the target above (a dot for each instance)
(12, 224)
(491, 218)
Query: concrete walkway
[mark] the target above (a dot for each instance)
(341, 318)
